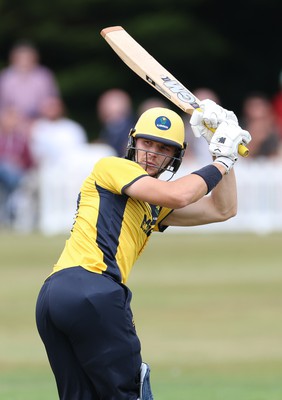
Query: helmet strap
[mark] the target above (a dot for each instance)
(130, 148)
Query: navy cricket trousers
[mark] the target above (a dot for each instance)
(86, 324)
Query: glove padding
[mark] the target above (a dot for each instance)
(208, 117)
(226, 139)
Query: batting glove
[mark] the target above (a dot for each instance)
(207, 118)
(228, 163)
(227, 138)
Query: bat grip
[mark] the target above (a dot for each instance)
(243, 150)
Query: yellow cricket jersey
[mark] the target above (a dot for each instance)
(110, 229)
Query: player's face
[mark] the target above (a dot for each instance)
(153, 156)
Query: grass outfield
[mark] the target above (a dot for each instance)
(207, 309)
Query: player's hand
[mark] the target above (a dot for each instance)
(226, 139)
(208, 117)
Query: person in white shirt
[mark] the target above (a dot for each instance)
(54, 135)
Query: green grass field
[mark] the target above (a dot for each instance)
(208, 310)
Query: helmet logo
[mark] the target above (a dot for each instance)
(163, 123)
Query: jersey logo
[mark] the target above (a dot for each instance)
(148, 224)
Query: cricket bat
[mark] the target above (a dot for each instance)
(149, 69)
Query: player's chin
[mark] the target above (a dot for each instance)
(150, 168)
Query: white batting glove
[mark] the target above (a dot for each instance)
(226, 139)
(208, 117)
(228, 163)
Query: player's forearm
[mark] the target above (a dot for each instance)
(224, 196)
(193, 187)
(187, 190)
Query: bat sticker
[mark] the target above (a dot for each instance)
(182, 93)
(160, 89)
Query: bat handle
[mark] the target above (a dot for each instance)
(243, 150)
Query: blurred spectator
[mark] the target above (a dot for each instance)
(151, 102)
(207, 93)
(259, 119)
(277, 105)
(25, 83)
(53, 135)
(115, 112)
(63, 156)
(15, 159)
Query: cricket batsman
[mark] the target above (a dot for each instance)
(83, 310)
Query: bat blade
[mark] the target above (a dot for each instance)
(151, 71)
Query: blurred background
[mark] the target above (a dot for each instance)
(232, 47)
(67, 100)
